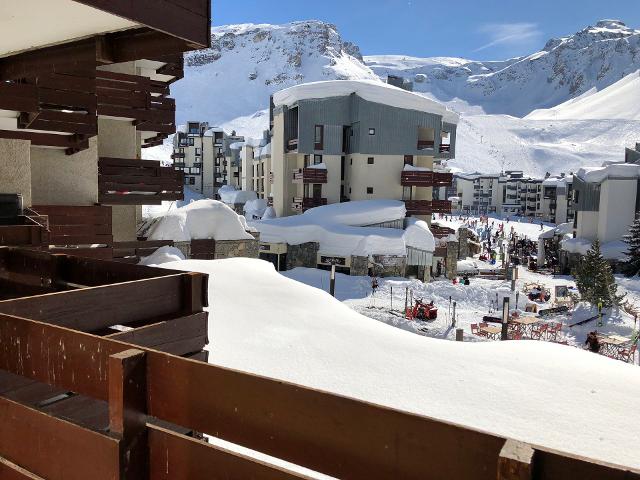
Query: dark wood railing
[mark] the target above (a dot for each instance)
(137, 182)
(308, 203)
(415, 178)
(441, 232)
(310, 175)
(445, 148)
(441, 206)
(425, 144)
(418, 207)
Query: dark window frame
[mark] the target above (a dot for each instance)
(369, 190)
(371, 160)
(318, 137)
(372, 131)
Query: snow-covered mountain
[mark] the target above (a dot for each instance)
(247, 63)
(565, 68)
(229, 85)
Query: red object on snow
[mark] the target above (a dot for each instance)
(422, 311)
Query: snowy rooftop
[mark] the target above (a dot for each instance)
(339, 229)
(612, 171)
(370, 90)
(537, 392)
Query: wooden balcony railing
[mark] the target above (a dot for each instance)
(292, 145)
(441, 232)
(137, 182)
(138, 98)
(414, 178)
(310, 175)
(110, 423)
(441, 206)
(27, 231)
(445, 148)
(425, 144)
(418, 207)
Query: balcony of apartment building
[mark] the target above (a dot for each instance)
(302, 204)
(427, 207)
(426, 138)
(445, 142)
(138, 182)
(423, 178)
(309, 175)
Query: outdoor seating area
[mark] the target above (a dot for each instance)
(617, 347)
(520, 328)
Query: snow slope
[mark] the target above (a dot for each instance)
(538, 392)
(618, 101)
(247, 63)
(565, 68)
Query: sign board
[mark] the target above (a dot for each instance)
(339, 261)
(562, 291)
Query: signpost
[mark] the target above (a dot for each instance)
(505, 319)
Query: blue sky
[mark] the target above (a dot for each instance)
(477, 29)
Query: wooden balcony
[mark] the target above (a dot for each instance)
(441, 206)
(441, 232)
(137, 182)
(418, 207)
(301, 204)
(143, 101)
(26, 231)
(292, 145)
(415, 178)
(310, 175)
(445, 148)
(425, 144)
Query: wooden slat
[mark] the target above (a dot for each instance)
(177, 457)
(96, 308)
(11, 471)
(53, 448)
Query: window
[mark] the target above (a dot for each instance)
(370, 161)
(198, 151)
(369, 190)
(319, 137)
(191, 142)
(351, 161)
(372, 131)
(408, 159)
(317, 159)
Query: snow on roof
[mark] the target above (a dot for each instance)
(561, 230)
(237, 145)
(540, 393)
(616, 170)
(555, 181)
(211, 131)
(202, 219)
(339, 229)
(615, 250)
(369, 90)
(228, 194)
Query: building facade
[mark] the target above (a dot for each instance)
(81, 97)
(342, 140)
(206, 158)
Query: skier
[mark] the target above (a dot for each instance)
(374, 285)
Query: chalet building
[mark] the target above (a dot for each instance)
(356, 140)
(206, 158)
(80, 98)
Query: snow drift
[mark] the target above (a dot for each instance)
(537, 392)
(202, 219)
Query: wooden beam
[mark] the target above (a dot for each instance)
(127, 412)
(515, 461)
(11, 471)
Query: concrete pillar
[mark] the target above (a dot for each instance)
(15, 168)
(61, 179)
(451, 267)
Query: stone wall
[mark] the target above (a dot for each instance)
(463, 241)
(451, 261)
(389, 266)
(237, 248)
(303, 255)
(359, 266)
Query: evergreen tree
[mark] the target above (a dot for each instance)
(632, 265)
(595, 280)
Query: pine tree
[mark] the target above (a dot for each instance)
(632, 265)
(595, 280)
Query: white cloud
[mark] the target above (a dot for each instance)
(509, 34)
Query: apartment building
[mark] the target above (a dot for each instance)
(512, 193)
(256, 167)
(85, 87)
(337, 141)
(206, 158)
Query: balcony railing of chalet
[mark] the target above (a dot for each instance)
(415, 178)
(426, 207)
(138, 98)
(177, 155)
(54, 110)
(78, 230)
(310, 175)
(301, 204)
(28, 230)
(109, 398)
(292, 145)
(425, 144)
(445, 148)
(137, 182)
(441, 232)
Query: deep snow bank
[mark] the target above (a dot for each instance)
(537, 392)
(200, 220)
